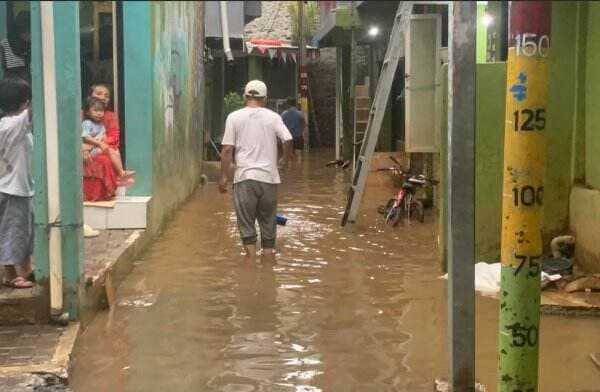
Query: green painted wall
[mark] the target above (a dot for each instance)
(489, 122)
(592, 98)
(177, 104)
(481, 34)
(578, 157)
(489, 134)
(561, 111)
(585, 200)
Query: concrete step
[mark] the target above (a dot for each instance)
(125, 212)
(23, 306)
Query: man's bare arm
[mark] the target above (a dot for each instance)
(226, 160)
(288, 152)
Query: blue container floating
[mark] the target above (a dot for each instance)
(281, 220)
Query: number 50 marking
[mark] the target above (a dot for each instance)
(527, 46)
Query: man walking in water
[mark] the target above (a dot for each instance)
(251, 133)
(294, 121)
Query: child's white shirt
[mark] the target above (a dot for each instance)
(16, 153)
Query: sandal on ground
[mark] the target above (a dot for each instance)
(30, 277)
(18, 283)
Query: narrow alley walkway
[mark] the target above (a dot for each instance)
(339, 312)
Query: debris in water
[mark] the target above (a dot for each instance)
(442, 386)
(595, 357)
(139, 301)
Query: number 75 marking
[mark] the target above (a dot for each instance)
(532, 261)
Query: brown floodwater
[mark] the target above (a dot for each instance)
(339, 312)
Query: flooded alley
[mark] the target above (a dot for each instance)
(339, 312)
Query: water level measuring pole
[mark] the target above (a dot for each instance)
(523, 194)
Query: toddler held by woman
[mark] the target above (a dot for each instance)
(94, 134)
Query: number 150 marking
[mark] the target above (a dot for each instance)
(526, 45)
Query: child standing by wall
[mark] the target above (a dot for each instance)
(94, 138)
(16, 183)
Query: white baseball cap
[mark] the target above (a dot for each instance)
(256, 89)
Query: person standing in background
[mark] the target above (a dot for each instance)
(294, 120)
(15, 51)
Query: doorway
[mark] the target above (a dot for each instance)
(101, 55)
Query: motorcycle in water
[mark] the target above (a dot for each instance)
(405, 203)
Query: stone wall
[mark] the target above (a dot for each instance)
(275, 22)
(322, 76)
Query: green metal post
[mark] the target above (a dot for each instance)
(40, 199)
(68, 102)
(522, 209)
(255, 69)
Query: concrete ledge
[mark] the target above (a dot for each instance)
(23, 306)
(125, 212)
(101, 284)
(585, 224)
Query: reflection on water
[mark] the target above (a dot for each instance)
(339, 311)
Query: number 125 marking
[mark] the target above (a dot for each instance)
(530, 120)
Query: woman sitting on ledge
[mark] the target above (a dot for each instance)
(100, 181)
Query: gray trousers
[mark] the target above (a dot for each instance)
(256, 201)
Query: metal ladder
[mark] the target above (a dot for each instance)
(395, 50)
(362, 106)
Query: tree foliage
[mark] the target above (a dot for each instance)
(311, 12)
(232, 102)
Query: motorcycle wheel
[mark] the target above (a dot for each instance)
(394, 215)
(389, 206)
(418, 211)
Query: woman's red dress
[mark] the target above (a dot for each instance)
(99, 177)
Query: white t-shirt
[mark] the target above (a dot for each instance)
(16, 152)
(253, 132)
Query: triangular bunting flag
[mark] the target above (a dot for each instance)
(293, 57)
(272, 53)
